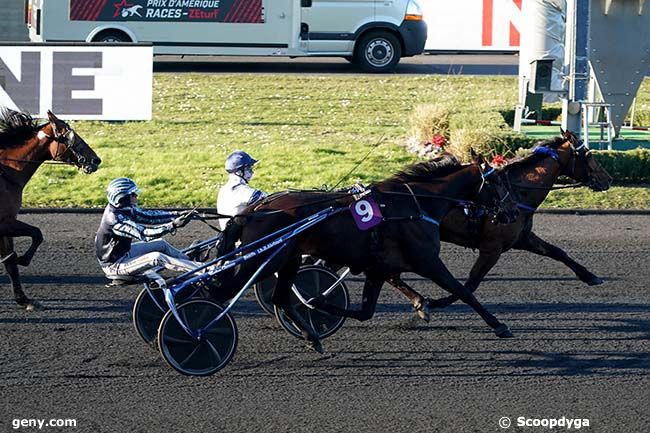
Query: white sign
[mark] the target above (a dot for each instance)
(82, 82)
(472, 25)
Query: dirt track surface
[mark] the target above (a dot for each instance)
(580, 352)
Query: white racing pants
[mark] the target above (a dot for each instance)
(144, 256)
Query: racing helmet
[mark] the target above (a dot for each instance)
(238, 160)
(120, 188)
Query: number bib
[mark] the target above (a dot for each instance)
(366, 213)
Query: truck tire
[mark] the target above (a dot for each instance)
(378, 52)
(112, 36)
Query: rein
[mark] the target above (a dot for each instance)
(204, 219)
(548, 188)
(34, 161)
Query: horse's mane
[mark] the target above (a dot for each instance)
(533, 157)
(15, 128)
(427, 170)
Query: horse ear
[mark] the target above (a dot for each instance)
(52, 117)
(562, 132)
(474, 155)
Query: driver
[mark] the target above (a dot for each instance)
(237, 194)
(123, 222)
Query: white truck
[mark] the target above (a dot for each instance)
(374, 34)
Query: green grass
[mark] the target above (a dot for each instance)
(307, 131)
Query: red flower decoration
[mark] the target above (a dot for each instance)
(438, 140)
(498, 160)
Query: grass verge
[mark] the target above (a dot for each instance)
(308, 131)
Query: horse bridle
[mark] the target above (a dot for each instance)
(66, 139)
(576, 152)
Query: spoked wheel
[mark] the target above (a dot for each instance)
(264, 289)
(312, 281)
(198, 357)
(264, 293)
(147, 315)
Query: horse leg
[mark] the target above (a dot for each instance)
(438, 272)
(371, 290)
(17, 229)
(282, 299)
(534, 244)
(420, 303)
(11, 265)
(484, 263)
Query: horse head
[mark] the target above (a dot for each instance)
(66, 145)
(495, 192)
(583, 166)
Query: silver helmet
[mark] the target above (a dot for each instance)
(120, 188)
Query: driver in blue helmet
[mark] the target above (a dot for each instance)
(124, 222)
(237, 194)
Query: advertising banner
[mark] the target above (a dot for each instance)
(473, 25)
(222, 11)
(78, 81)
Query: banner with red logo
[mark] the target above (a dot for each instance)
(223, 11)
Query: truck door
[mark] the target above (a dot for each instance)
(328, 26)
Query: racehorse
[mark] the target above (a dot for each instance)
(407, 240)
(530, 179)
(24, 146)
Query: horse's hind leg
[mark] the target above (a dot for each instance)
(420, 303)
(440, 275)
(485, 262)
(371, 290)
(534, 244)
(282, 299)
(11, 265)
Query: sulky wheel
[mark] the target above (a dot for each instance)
(147, 315)
(205, 355)
(264, 293)
(312, 281)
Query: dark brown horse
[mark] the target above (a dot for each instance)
(408, 240)
(24, 146)
(530, 178)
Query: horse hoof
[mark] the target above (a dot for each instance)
(315, 345)
(31, 306)
(503, 331)
(423, 311)
(9, 257)
(595, 281)
(424, 315)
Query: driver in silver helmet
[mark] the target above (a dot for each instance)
(124, 222)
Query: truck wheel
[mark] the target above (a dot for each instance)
(378, 52)
(111, 36)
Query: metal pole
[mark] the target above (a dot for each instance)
(577, 46)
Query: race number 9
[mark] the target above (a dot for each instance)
(364, 210)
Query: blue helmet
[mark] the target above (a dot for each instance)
(238, 160)
(120, 188)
